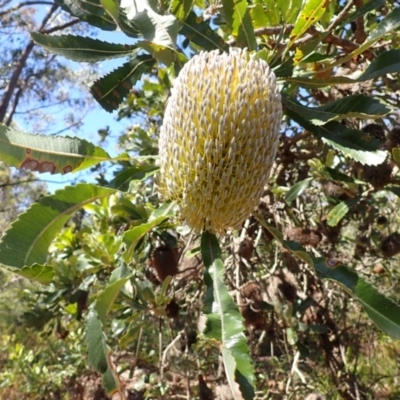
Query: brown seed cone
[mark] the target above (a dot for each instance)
(172, 309)
(165, 262)
(246, 250)
(393, 139)
(390, 245)
(376, 131)
(205, 393)
(252, 313)
(334, 190)
(304, 236)
(377, 175)
(362, 244)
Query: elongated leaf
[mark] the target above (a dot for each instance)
(351, 143)
(339, 211)
(111, 89)
(237, 15)
(90, 11)
(312, 83)
(390, 23)
(40, 153)
(357, 106)
(107, 297)
(366, 7)
(79, 48)
(163, 54)
(139, 173)
(382, 311)
(386, 63)
(99, 354)
(39, 273)
(200, 33)
(225, 323)
(27, 241)
(311, 13)
(296, 190)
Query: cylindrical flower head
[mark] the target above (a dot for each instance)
(219, 138)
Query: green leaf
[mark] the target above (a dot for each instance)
(80, 48)
(99, 354)
(387, 62)
(54, 154)
(367, 7)
(311, 13)
(159, 29)
(132, 237)
(296, 190)
(107, 297)
(350, 142)
(39, 273)
(339, 211)
(200, 33)
(313, 83)
(163, 54)
(357, 106)
(111, 89)
(89, 11)
(396, 155)
(382, 311)
(136, 173)
(225, 323)
(237, 15)
(390, 23)
(27, 241)
(181, 8)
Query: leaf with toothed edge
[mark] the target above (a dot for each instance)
(79, 48)
(54, 154)
(27, 240)
(112, 88)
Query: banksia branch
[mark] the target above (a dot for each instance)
(219, 139)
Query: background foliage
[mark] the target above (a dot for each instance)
(115, 274)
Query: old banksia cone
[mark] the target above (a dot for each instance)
(219, 138)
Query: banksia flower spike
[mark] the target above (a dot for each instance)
(219, 138)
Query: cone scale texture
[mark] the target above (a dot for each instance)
(219, 139)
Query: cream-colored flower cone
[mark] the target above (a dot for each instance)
(219, 138)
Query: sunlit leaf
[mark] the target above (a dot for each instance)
(54, 154)
(296, 190)
(225, 323)
(112, 88)
(339, 211)
(27, 241)
(79, 48)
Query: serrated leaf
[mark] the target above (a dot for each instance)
(136, 173)
(27, 241)
(387, 62)
(311, 13)
(357, 106)
(350, 142)
(39, 273)
(54, 154)
(225, 323)
(296, 190)
(159, 29)
(99, 354)
(89, 11)
(313, 83)
(382, 311)
(111, 89)
(237, 15)
(339, 211)
(79, 48)
(200, 33)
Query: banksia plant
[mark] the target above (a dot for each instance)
(219, 139)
